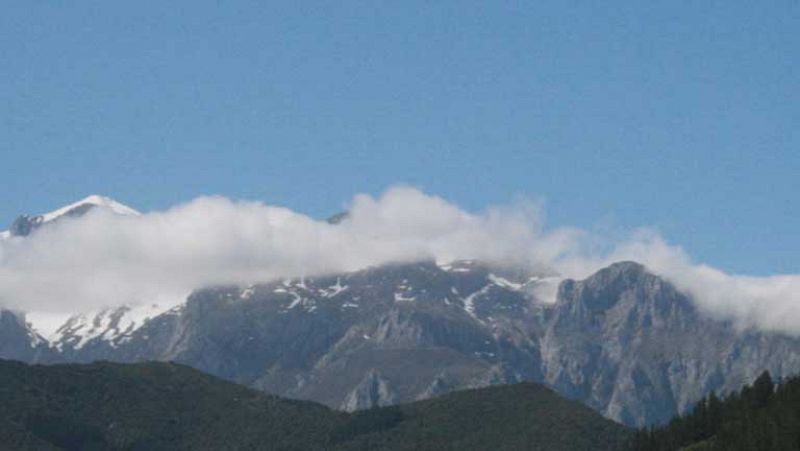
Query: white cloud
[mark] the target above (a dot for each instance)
(103, 259)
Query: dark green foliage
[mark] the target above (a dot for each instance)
(759, 417)
(511, 417)
(367, 421)
(64, 432)
(148, 406)
(164, 406)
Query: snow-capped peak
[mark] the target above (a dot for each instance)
(25, 224)
(95, 201)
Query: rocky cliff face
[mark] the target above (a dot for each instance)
(18, 340)
(630, 345)
(623, 341)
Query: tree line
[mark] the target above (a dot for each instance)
(762, 416)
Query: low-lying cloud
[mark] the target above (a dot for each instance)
(102, 259)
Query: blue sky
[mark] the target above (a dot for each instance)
(682, 116)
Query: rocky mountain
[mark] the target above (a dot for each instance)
(164, 406)
(373, 337)
(629, 344)
(624, 341)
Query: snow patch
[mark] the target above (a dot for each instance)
(333, 290)
(113, 325)
(403, 294)
(460, 266)
(399, 297)
(247, 292)
(505, 283)
(296, 301)
(46, 323)
(469, 301)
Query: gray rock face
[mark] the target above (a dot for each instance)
(373, 391)
(623, 341)
(18, 341)
(401, 325)
(24, 225)
(630, 345)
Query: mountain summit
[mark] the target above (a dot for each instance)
(25, 224)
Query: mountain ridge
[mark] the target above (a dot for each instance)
(624, 341)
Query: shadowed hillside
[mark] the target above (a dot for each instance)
(160, 406)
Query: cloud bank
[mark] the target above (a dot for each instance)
(102, 259)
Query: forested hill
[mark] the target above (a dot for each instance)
(762, 416)
(165, 406)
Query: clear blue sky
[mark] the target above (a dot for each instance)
(682, 115)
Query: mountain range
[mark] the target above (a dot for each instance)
(624, 341)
